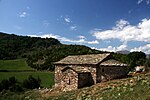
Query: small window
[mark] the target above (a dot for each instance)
(102, 69)
(68, 81)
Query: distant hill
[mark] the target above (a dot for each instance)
(14, 46)
(44, 60)
(123, 52)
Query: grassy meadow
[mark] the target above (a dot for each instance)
(18, 64)
(47, 78)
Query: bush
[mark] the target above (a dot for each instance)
(12, 80)
(14, 86)
(5, 84)
(11, 84)
(31, 82)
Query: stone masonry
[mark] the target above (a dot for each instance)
(75, 72)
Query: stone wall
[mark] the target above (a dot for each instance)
(70, 77)
(65, 74)
(66, 79)
(111, 72)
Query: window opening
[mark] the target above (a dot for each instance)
(102, 69)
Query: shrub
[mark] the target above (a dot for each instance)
(14, 86)
(31, 82)
(5, 84)
(12, 80)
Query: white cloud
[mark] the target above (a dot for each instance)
(145, 48)
(92, 42)
(139, 1)
(126, 32)
(73, 28)
(67, 19)
(94, 30)
(81, 37)
(113, 49)
(121, 24)
(146, 1)
(64, 39)
(23, 14)
(109, 48)
(122, 47)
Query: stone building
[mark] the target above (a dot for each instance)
(75, 72)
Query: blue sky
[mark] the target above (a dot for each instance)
(108, 25)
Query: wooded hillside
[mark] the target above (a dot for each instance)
(13, 46)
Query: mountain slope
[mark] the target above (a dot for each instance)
(123, 52)
(13, 46)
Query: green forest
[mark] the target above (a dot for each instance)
(13, 46)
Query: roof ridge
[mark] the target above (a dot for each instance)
(89, 54)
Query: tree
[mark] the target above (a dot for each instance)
(136, 58)
(13, 46)
(31, 82)
(147, 63)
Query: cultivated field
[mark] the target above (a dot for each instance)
(20, 65)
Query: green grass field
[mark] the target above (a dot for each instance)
(18, 64)
(47, 78)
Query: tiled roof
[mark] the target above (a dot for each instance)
(112, 62)
(84, 59)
